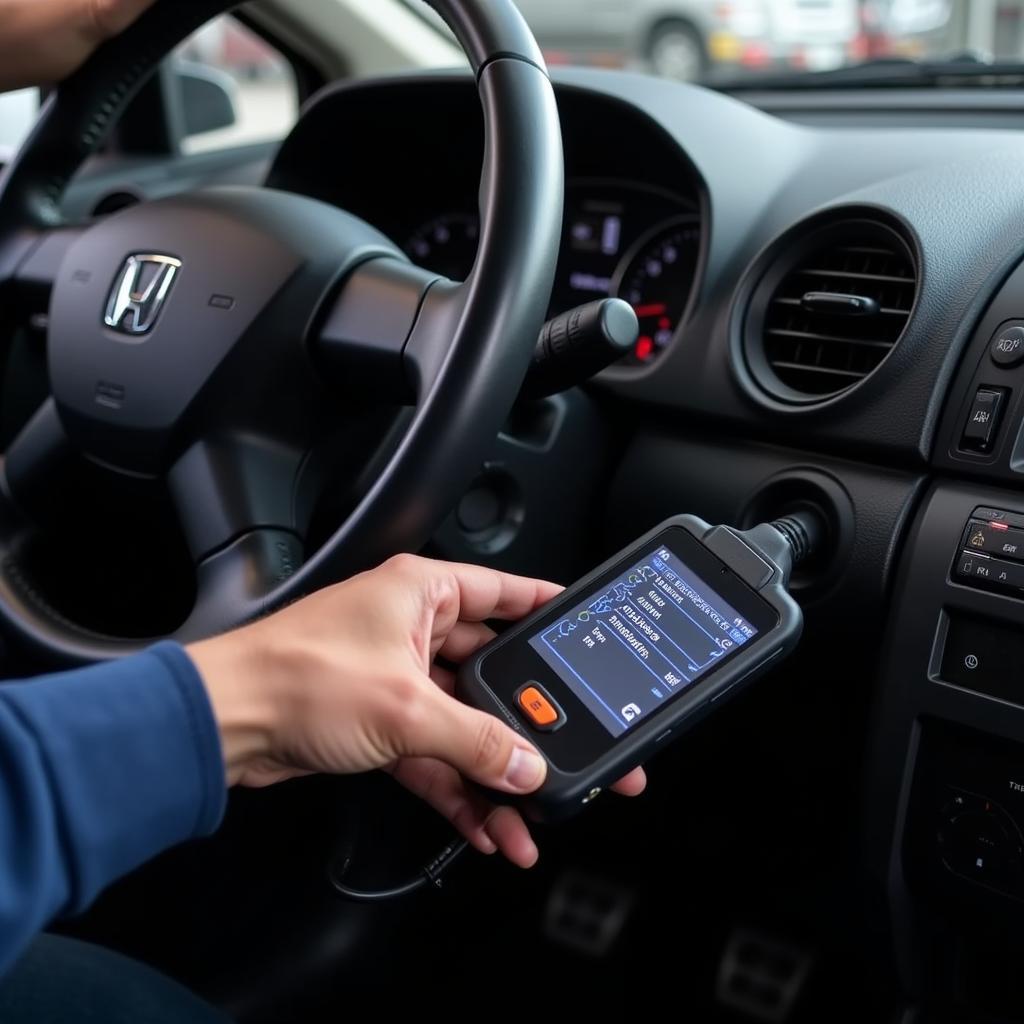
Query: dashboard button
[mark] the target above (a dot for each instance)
(979, 841)
(479, 510)
(983, 420)
(990, 570)
(1008, 346)
(983, 656)
(996, 539)
(993, 514)
(965, 567)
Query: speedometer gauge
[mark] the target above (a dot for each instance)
(655, 278)
(446, 245)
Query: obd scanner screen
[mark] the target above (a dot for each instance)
(648, 635)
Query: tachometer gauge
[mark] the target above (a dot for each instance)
(656, 278)
(446, 245)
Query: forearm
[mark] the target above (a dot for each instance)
(43, 41)
(100, 770)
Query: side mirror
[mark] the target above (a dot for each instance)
(207, 98)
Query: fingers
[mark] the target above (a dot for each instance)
(511, 835)
(465, 639)
(478, 593)
(632, 784)
(487, 594)
(440, 786)
(489, 830)
(110, 17)
(476, 744)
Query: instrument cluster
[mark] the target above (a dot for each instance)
(621, 239)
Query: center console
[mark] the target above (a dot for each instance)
(947, 761)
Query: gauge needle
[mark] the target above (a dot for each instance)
(654, 309)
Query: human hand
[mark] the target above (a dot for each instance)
(43, 41)
(345, 682)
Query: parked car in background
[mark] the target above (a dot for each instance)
(934, 29)
(695, 39)
(813, 35)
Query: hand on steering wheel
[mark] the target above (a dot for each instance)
(44, 41)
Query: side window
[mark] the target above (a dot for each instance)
(232, 88)
(18, 112)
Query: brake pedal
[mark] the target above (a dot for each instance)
(586, 913)
(761, 976)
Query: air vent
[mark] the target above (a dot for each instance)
(830, 311)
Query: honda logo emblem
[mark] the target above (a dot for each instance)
(139, 293)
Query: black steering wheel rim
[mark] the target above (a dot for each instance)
(492, 322)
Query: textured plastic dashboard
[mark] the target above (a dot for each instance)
(957, 194)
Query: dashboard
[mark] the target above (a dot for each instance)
(634, 214)
(688, 204)
(823, 306)
(621, 238)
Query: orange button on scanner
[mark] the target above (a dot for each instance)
(539, 708)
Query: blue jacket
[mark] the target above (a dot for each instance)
(100, 770)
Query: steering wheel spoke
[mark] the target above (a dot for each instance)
(363, 342)
(38, 457)
(241, 504)
(388, 333)
(427, 348)
(30, 261)
(227, 488)
(232, 584)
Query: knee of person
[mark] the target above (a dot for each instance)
(64, 981)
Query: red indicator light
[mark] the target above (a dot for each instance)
(999, 526)
(644, 348)
(654, 309)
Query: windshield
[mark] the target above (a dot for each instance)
(723, 41)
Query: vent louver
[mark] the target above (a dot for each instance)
(835, 311)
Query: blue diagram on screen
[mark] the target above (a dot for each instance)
(654, 631)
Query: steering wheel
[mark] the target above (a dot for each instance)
(211, 340)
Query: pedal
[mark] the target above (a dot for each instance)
(587, 914)
(761, 976)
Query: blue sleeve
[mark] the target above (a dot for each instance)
(100, 770)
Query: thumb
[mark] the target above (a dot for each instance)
(478, 745)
